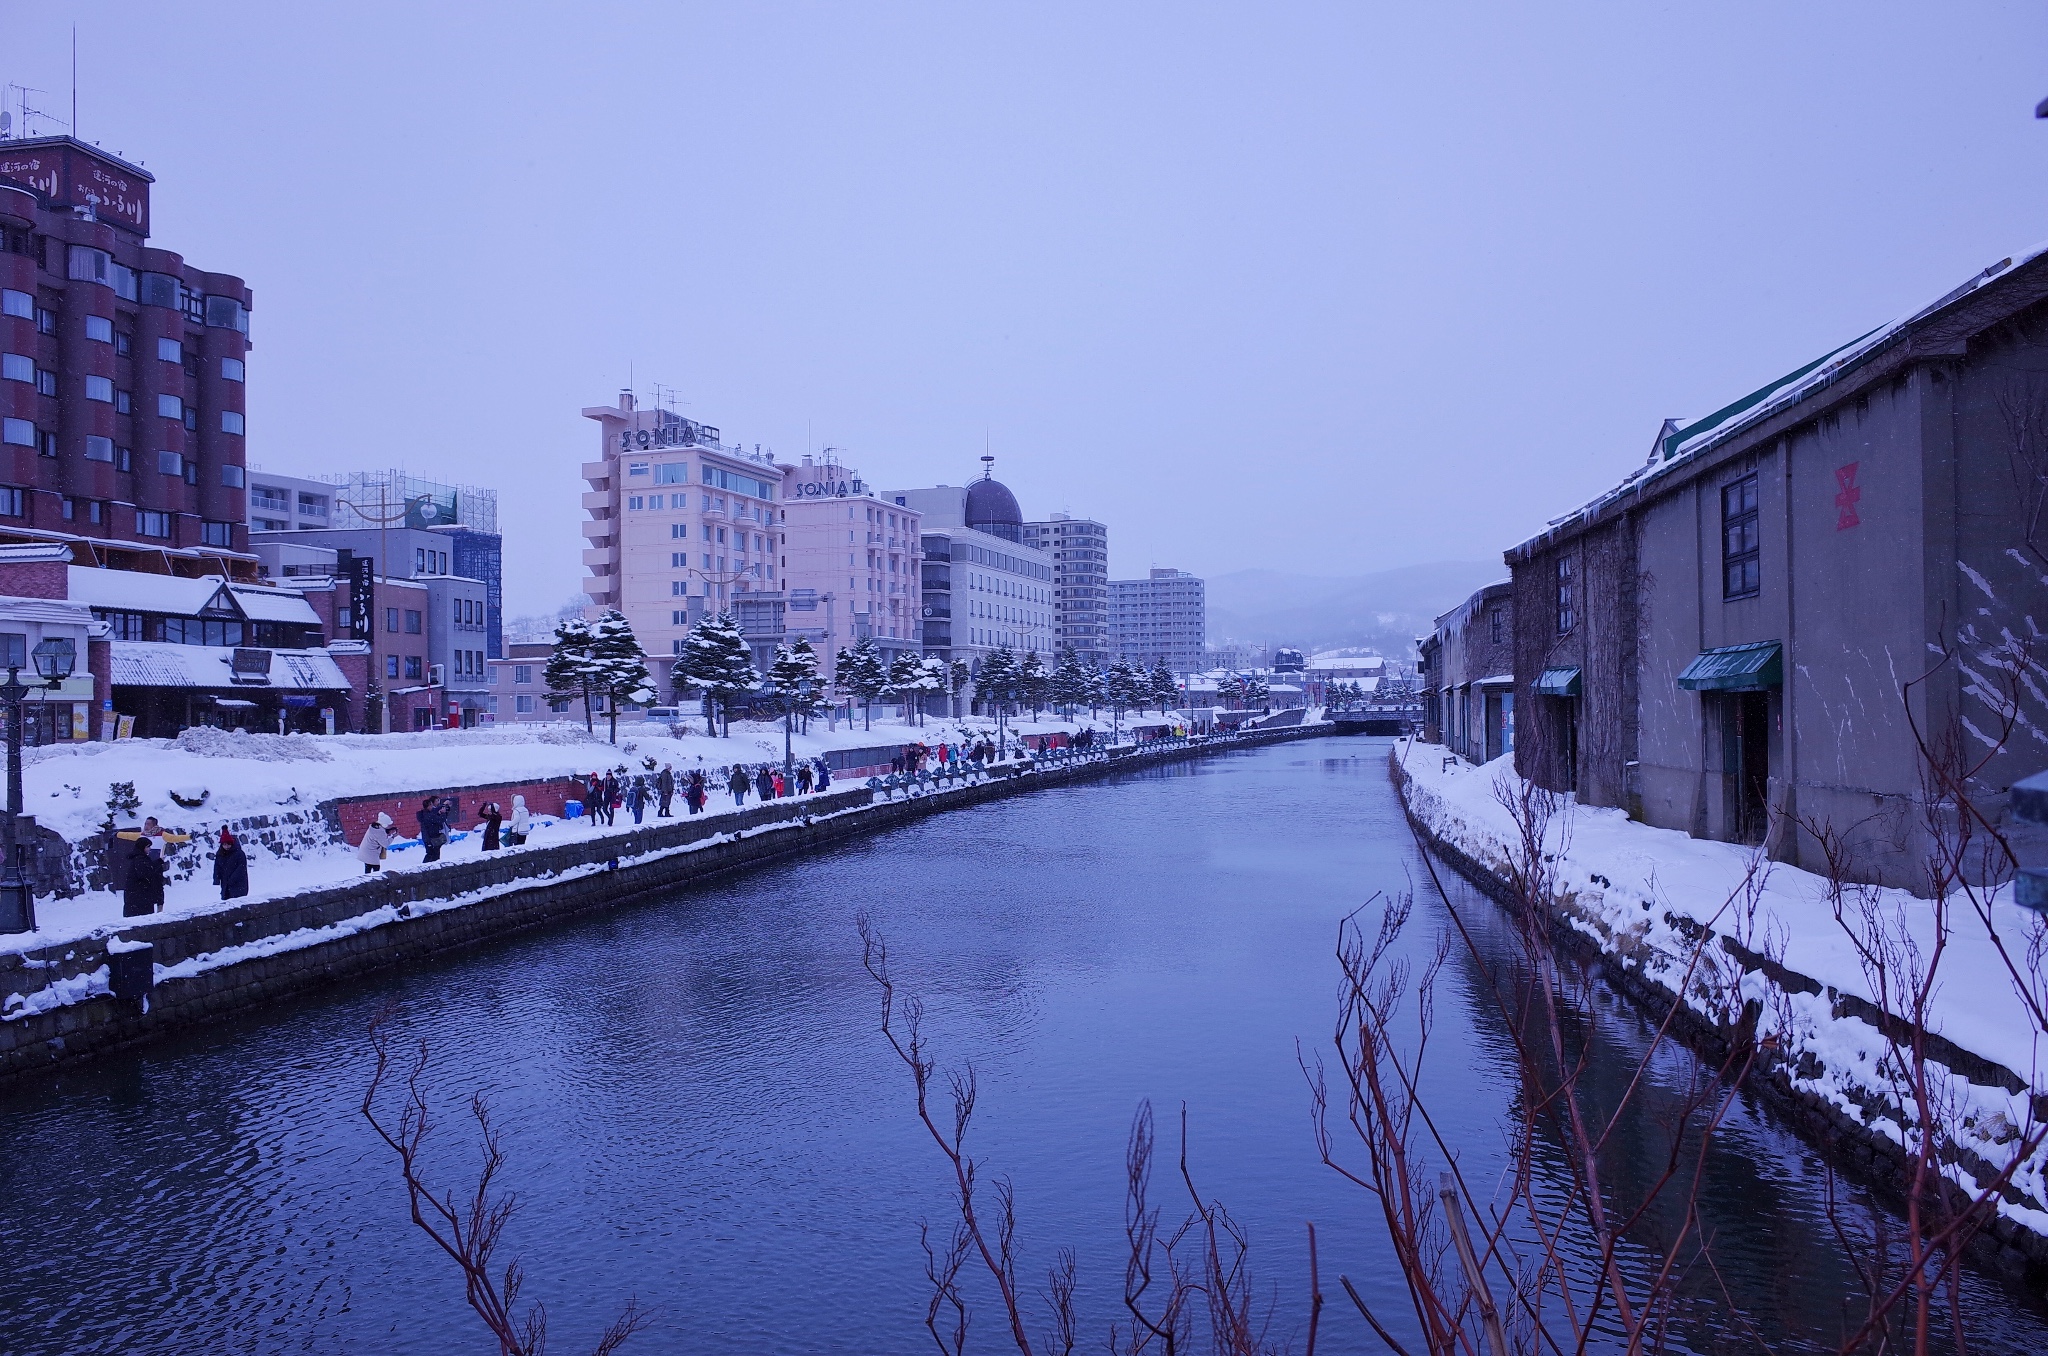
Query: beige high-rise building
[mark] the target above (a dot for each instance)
(680, 524)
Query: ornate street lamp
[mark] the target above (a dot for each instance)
(54, 660)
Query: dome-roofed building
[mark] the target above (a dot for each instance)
(991, 508)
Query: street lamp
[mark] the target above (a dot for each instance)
(54, 659)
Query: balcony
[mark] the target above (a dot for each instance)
(598, 473)
(267, 502)
(597, 499)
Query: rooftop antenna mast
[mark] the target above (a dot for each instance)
(74, 80)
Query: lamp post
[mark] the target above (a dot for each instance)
(54, 659)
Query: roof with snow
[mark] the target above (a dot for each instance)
(176, 596)
(133, 591)
(275, 605)
(151, 663)
(1680, 445)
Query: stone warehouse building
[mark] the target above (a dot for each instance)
(1741, 639)
(1468, 676)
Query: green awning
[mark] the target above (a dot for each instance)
(1735, 668)
(1558, 683)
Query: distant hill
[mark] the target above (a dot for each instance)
(1386, 610)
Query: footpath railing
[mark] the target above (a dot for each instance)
(948, 775)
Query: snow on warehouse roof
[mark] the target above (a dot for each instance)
(1370, 661)
(47, 610)
(1675, 446)
(131, 591)
(151, 663)
(273, 605)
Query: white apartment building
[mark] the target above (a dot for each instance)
(1160, 619)
(1079, 548)
(680, 524)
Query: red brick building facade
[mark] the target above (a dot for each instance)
(122, 373)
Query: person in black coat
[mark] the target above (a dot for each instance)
(764, 784)
(142, 891)
(433, 827)
(665, 789)
(694, 790)
(493, 817)
(230, 867)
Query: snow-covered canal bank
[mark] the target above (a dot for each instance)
(698, 1108)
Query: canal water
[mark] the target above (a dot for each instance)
(698, 1108)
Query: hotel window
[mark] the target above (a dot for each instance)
(233, 477)
(1567, 607)
(217, 534)
(100, 389)
(149, 524)
(46, 382)
(99, 329)
(13, 503)
(679, 588)
(679, 530)
(679, 560)
(170, 463)
(412, 666)
(1740, 567)
(170, 351)
(170, 407)
(391, 620)
(191, 419)
(412, 622)
(390, 666)
(419, 560)
(522, 673)
(17, 304)
(231, 369)
(231, 422)
(124, 402)
(98, 448)
(523, 704)
(125, 625)
(636, 501)
(17, 367)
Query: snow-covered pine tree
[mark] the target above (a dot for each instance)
(1098, 688)
(995, 684)
(568, 674)
(1122, 690)
(1069, 681)
(793, 678)
(863, 675)
(906, 683)
(932, 679)
(618, 666)
(1165, 690)
(806, 654)
(1255, 690)
(1034, 684)
(716, 658)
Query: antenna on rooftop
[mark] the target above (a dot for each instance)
(988, 467)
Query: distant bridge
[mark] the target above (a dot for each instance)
(1382, 718)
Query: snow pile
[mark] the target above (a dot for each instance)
(208, 742)
(1643, 895)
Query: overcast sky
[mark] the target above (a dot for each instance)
(1318, 288)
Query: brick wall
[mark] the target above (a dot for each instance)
(354, 816)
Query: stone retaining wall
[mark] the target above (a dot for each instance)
(389, 919)
(2005, 1246)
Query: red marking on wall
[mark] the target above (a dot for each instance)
(1847, 496)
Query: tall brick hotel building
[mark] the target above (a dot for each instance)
(122, 373)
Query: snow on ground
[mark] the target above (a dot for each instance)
(1618, 879)
(245, 776)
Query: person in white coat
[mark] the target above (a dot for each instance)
(376, 840)
(521, 825)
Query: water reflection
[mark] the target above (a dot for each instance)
(698, 1108)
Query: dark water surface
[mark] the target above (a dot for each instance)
(699, 1110)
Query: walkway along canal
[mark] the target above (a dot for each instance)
(698, 1108)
